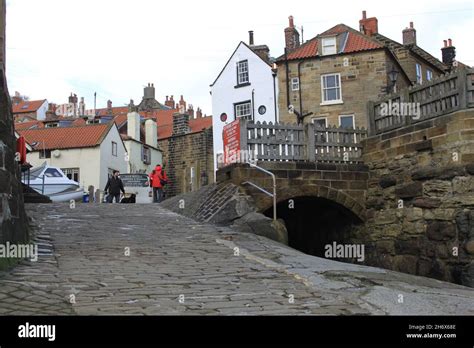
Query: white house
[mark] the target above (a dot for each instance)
(245, 88)
(27, 110)
(86, 154)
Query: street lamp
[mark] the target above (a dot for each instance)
(392, 76)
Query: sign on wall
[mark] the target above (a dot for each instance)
(231, 137)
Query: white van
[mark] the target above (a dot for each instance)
(139, 185)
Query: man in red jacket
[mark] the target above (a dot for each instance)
(158, 180)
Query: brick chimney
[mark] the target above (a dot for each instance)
(292, 37)
(149, 91)
(191, 111)
(151, 133)
(368, 26)
(170, 102)
(182, 104)
(409, 35)
(133, 125)
(109, 108)
(199, 113)
(448, 52)
(180, 123)
(260, 50)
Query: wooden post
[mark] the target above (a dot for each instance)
(310, 143)
(97, 199)
(243, 138)
(91, 194)
(462, 88)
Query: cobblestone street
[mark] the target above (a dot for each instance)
(145, 260)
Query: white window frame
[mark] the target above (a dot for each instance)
(295, 84)
(114, 149)
(328, 46)
(146, 155)
(348, 115)
(429, 75)
(242, 72)
(419, 74)
(237, 111)
(320, 118)
(72, 172)
(323, 89)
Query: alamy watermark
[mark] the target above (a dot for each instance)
(412, 110)
(345, 251)
(19, 251)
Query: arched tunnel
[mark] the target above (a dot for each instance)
(314, 222)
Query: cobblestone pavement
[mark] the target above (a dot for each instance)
(145, 260)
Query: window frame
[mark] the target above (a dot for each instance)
(323, 89)
(295, 84)
(429, 75)
(318, 118)
(45, 154)
(73, 172)
(347, 115)
(146, 155)
(419, 73)
(239, 73)
(236, 105)
(114, 149)
(325, 46)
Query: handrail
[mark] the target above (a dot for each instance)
(263, 190)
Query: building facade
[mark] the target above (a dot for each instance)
(329, 79)
(246, 88)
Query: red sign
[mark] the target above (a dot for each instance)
(21, 149)
(231, 137)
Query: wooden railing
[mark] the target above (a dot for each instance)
(445, 94)
(294, 142)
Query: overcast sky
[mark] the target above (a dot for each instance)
(115, 47)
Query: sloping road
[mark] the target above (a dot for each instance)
(145, 260)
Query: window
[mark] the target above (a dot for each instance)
(72, 173)
(45, 154)
(242, 73)
(243, 110)
(295, 84)
(146, 155)
(329, 46)
(429, 75)
(331, 89)
(114, 149)
(93, 121)
(52, 173)
(320, 122)
(346, 121)
(51, 125)
(419, 77)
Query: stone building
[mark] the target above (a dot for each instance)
(330, 78)
(13, 220)
(187, 147)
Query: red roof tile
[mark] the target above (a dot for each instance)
(67, 137)
(28, 125)
(27, 106)
(355, 42)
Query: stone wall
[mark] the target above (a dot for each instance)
(184, 151)
(420, 206)
(13, 220)
(363, 80)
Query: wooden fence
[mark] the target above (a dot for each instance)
(293, 142)
(445, 94)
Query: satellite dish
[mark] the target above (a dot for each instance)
(56, 153)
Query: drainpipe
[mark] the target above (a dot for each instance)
(253, 105)
(287, 80)
(274, 73)
(301, 100)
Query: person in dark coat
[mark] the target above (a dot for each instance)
(158, 180)
(113, 187)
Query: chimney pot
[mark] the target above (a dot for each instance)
(292, 22)
(364, 14)
(251, 42)
(445, 43)
(411, 25)
(448, 52)
(450, 42)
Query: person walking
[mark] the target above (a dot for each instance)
(113, 187)
(158, 180)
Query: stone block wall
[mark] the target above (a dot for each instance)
(365, 79)
(420, 199)
(183, 152)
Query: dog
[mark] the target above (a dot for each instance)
(130, 200)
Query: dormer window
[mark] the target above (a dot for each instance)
(328, 46)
